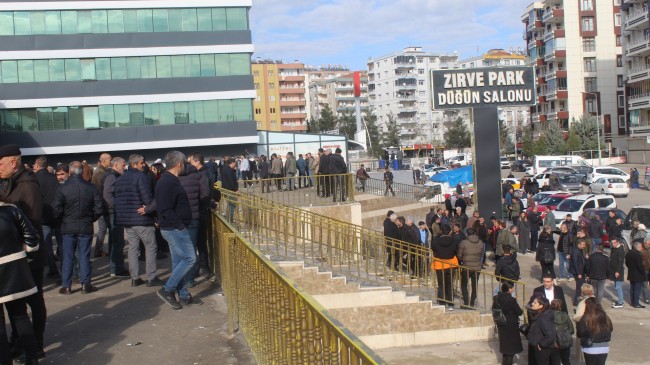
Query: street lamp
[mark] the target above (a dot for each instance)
(600, 162)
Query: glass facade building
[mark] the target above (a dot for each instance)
(131, 74)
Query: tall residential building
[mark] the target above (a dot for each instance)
(399, 87)
(338, 94)
(576, 49)
(280, 102)
(636, 25)
(315, 74)
(91, 76)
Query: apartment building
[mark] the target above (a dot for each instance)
(636, 27)
(338, 94)
(575, 47)
(399, 86)
(316, 74)
(280, 103)
(515, 118)
(81, 77)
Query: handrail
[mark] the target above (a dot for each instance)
(282, 323)
(404, 191)
(358, 253)
(304, 190)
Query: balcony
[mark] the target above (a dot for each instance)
(286, 115)
(292, 102)
(637, 47)
(643, 129)
(638, 73)
(292, 78)
(292, 90)
(558, 114)
(636, 19)
(553, 55)
(407, 98)
(407, 132)
(407, 120)
(405, 87)
(405, 65)
(631, 1)
(639, 101)
(553, 15)
(555, 73)
(407, 110)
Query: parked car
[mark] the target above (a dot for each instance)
(505, 163)
(640, 213)
(430, 171)
(610, 185)
(516, 184)
(567, 171)
(606, 171)
(550, 201)
(542, 179)
(570, 183)
(544, 194)
(576, 204)
(521, 165)
(602, 214)
(582, 169)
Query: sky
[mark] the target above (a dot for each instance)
(348, 32)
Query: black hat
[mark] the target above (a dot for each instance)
(338, 150)
(390, 212)
(9, 150)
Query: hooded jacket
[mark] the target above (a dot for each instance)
(470, 252)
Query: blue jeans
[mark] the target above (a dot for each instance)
(596, 242)
(48, 231)
(564, 266)
(290, 182)
(72, 243)
(310, 173)
(183, 260)
(618, 285)
(193, 228)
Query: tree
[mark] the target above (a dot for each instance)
(391, 137)
(540, 146)
(572, 142)
(505, 142)
(553, 139)
(585, 130)
(327, 120)
(347, 124)
(373, 136)
(457, 135)
(312, 125)
(528, 144)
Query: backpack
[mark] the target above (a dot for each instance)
(497, 314)
(563, 336)
(547, 255)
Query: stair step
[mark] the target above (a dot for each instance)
(364, 298)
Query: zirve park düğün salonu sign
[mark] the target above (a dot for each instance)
(481, 87)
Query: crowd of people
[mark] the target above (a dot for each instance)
(458, 245)
(159, 208)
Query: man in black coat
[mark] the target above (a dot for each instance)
(48, 184)
(229, 182)
(636, 274)
(577, 268)
(78, 204)
(550, 291)
(597, 271)
(338, 167)
(617, 269)
(324, 171)
(391, 232)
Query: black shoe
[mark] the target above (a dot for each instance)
(65, 291)
(189, 301)
(87, 288)
(137, 282)
(154, 282)
(169, 298)
(639, 306)
(121, 274)
(40, 353)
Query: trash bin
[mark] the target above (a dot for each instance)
(382, 164)
(395, 164)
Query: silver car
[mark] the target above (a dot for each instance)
(570, 183)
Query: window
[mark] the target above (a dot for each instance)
(587, 23)
(619, 60)
(591, 84)
(257, 86)
(619, 80)
(588, 44)
(621, 101)
(26, 71)
(272, 110)
(258, 111)
(88, 69)
(422, 93)
(617, 19)
(618, 41)
(586, 5)
(420, 60)
(420, 82)
(271, 98)
(271, 85)
(256, 73)
(621, 121)
(590, 64)
(420, 71)
(590, 105)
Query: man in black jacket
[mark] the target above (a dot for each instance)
(115, 231)
(577, 268)
(78, 204)
(636, 274)
(550, 291)
(205, 222)
(48, 184)
(229, 182)
(174, 216)
(597, 270)
(338, 167)
(507, 266)
(617, 269)
(324, 171)
(391, 233)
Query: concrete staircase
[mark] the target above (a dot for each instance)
(384, 318)
(374, 209)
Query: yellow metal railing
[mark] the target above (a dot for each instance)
(303, 190)
(282, 323)
(360, 254)
(429, 194)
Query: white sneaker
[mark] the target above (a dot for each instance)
(570, 279)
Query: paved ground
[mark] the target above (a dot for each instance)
(123, 325)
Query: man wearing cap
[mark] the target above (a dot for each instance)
(20, 187)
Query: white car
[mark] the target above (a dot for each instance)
(606, 171)
(576, 204)
(505, 163)
(434, 170)
(542, 179)
(610, 185)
